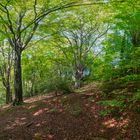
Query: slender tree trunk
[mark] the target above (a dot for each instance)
(8, 84)
(31, 90)
(8, 94)
(77, 84)
(78, 77)
(18, 79)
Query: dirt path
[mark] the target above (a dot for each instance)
(68, 117)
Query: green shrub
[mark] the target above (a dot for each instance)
(59, 85)
(114, 107)
(112, 103)
(132, 77)
(136, 96)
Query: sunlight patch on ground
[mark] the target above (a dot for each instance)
(41, 123)
(49, 136)
(5, 106)
(31, 106)
(110, 123)
(123, 122)
(18, 122)
(113, 123)
(39, 112)
(38, 98)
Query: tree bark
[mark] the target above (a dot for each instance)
(78, 77)
(18, 79)
(8, 94)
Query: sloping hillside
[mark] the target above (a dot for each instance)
(67, 117)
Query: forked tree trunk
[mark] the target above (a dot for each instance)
(18, 79)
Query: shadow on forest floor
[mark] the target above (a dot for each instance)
(68, 117)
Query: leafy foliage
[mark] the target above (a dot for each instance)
(74, 44)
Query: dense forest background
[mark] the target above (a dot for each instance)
(69, 69)
(63, 45)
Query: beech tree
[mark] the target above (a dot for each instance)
(6, 64)
(80, 39)
(19, 22)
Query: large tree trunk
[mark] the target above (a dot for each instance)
(18, 79)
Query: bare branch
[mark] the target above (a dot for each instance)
(35, 12)
(19, 23)
(44, 37)
(42, 15)
(30, 36)
(10, 25)
(99, 36)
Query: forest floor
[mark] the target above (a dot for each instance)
(74, 116)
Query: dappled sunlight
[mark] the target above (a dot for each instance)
(95, 110)
(114, 123)
(5, 106)
(38, 98)
(31, 106)
(102, 130)
(69, 69)
(49, 136)
(110, 123)
(40, 123)
(8, 127)
(87, 105)
(60, 110)
(39, 136)
(45, 101)
(46, 120)
(23, 118)
(40, 111)
(123, 122)
(18, 122)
